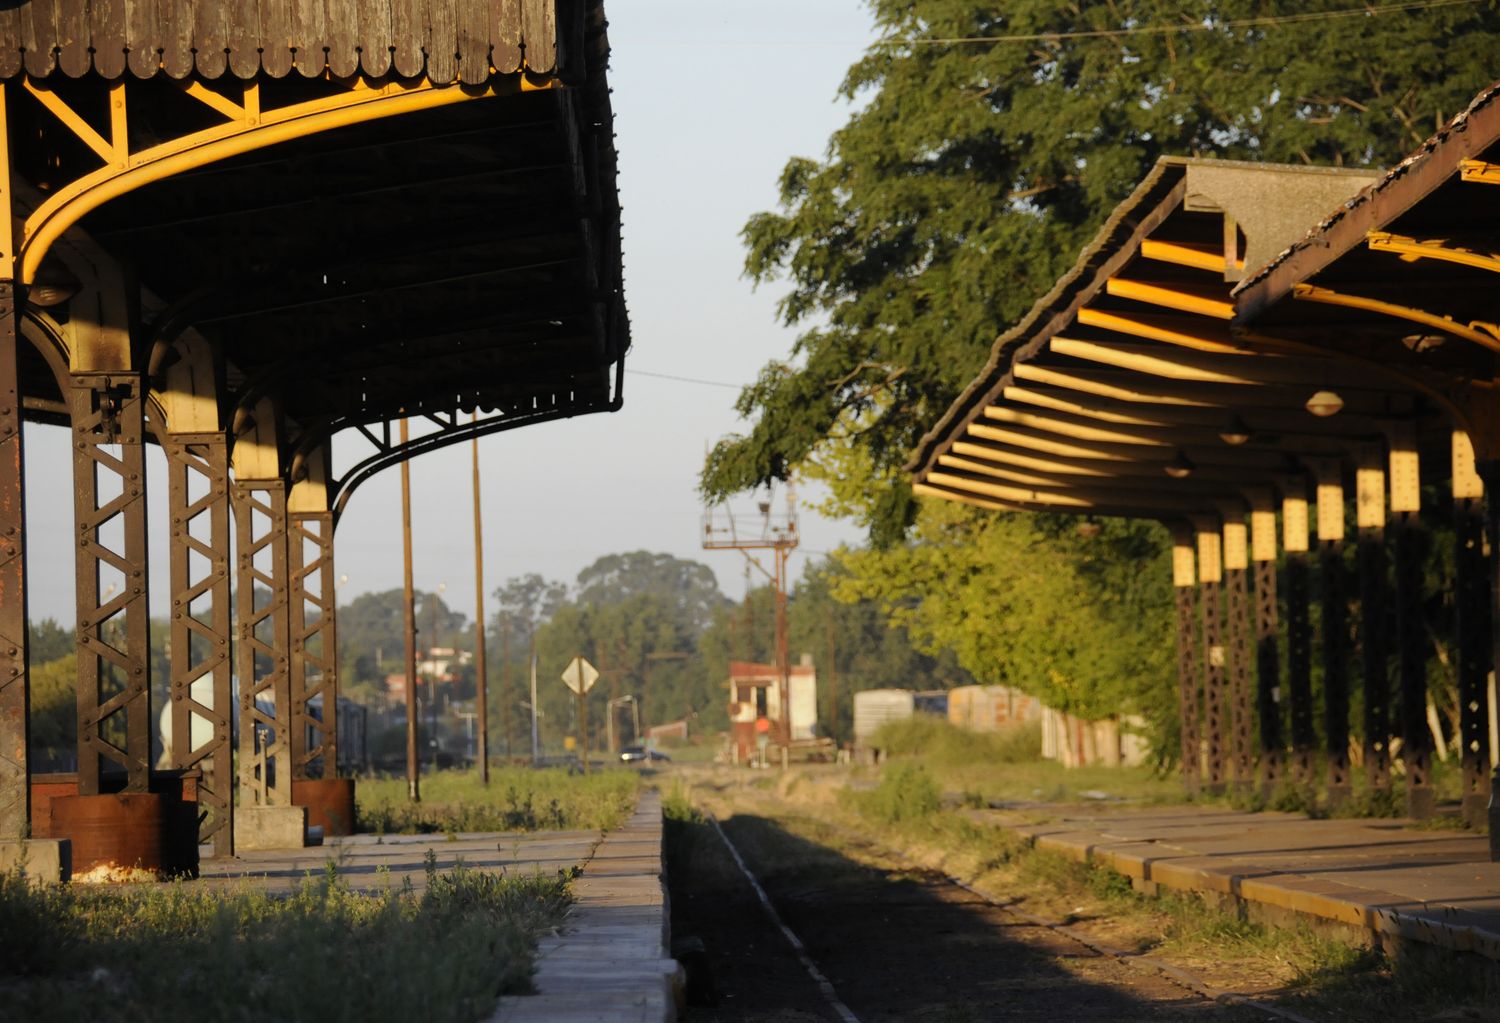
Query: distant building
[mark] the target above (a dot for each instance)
(755, 695)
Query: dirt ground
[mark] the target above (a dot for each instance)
(896, 944)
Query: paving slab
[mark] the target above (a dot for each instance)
(1385, 876)
(610, 963)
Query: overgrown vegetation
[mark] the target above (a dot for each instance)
(906, 792)
(517, 799)
(941, 743)
(185, 952)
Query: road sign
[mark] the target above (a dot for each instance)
(580, 675)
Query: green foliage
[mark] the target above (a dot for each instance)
(517, 799)
(47, 641)
(968, 176)
(677, 805)
(185, 952)
(906, 793)
(54, 704)
(944, 745)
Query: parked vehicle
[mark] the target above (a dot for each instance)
(640, 754)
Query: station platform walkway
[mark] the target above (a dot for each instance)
(1396, 882)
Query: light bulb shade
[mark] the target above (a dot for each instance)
(1324, 403)
(1235, 432)
(1180, 467)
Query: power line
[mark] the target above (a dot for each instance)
(1136, 30)
(683, 380)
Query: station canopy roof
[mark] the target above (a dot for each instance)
(455, 254)
(1170, 373)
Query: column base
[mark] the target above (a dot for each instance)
(128, 835)
(1420, 802)
(41, 860)
(1476, 809)
(329, 803)
(262, 828)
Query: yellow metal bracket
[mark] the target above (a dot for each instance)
(1482, 334)
(1412, 249)
(1137, 327)
(1170, 298)
(246, 128)
(1479, 171)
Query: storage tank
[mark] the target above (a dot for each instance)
(874, 707)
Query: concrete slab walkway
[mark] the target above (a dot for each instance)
(611, 962)
(1396, 882)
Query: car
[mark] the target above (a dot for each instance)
(640, 754)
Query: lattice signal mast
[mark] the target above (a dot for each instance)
(762, 530)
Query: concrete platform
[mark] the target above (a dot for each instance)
(611, 963)
(1383, 877)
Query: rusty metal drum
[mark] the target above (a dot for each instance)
(329, 802)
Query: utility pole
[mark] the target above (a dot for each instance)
(535, 734)
(413, 770)
(481, 680)
(505, 682)
(833, 681)
(432, 709)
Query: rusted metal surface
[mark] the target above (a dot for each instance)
(1187, 684)
(1411, 647)
(1475, 648)
(314, 637)
(1334, 632)
(448, 39)
(1268, 674)
(15, 790)
(262, 610)
(1299, 668)
(329, 802)
(155, 832)
(114, 662)
(202, 712)
(1211, 606)
(1241, 656)
(1374, 618)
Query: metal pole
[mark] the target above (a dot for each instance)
(583, 720)
(535, 734)
(505, 682)
(432, 701)
(481, 686)
(783, 664)
(833, 682)
(413, 769)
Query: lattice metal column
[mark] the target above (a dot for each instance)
(1236, 591)
(1334, 627)
(314, 681)
(1472, 586)
(1411, 636)
(15, 768)
(263, 634)
(198, 494)
(1267, 645)
(1184, 583)
(1211, 597)
(109, 481)
(1298, 631)
(1374, 614)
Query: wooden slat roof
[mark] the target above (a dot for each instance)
(447, 39)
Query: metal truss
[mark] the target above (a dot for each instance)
(1268, 675)
(1411, 644)
(1299, 669)
(261, 601)
(1236, 590)
(1374, 611)
(109, 477)
(15, 775)
(1187, 685)
(314, 678)
(1213, 681)
(198, 495)
(1335, 636)
(1472, 563)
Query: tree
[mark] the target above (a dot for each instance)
(965, 185)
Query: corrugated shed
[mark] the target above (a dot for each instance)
(448, 40)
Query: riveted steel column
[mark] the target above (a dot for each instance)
(15, 767)
(201, 670)
(1411, 637)
(314, 679)
(1267, 646)
(261, 611)
(1236, 592)
(1374, 613)
(1298, 630)
(1334, 626)
(1184, 586)
(1471, 558)
(109, 482)
(1211, 604)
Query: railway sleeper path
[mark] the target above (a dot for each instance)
(893, 941)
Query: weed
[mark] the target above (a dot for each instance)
(907, 792)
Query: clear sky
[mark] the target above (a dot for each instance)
(710, 99)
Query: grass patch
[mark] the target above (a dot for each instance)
(183, 952)
(517, 799)
(906, 792)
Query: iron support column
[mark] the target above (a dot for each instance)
(1374, 615)
(1211, 576)
(109, 482)
(1236, 590)
(1472, 571)
(1184, 582)
(1411, 632)
(1334, 628)
(314, 678)
(1267, 645)
(1299, 632)
(15, 704)
(198, 500)
(262, 607)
